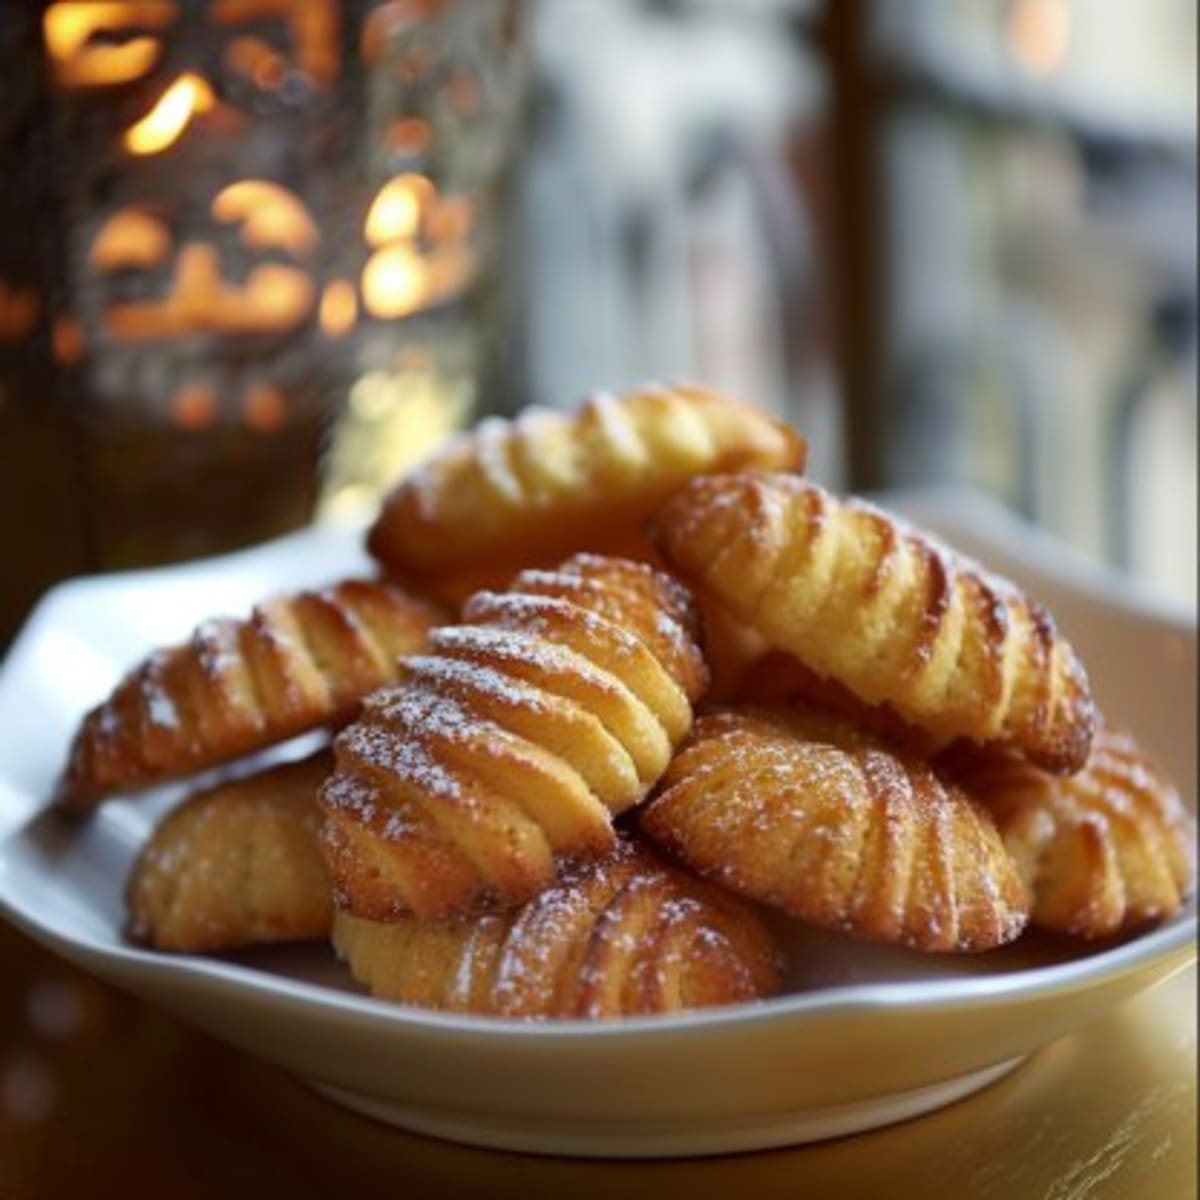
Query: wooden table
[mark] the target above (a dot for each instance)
(97, 1089)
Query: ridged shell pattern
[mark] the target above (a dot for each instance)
(298, 662)
(512, 744)
(621, 936)
(533, 489)
(1109, 849)
(236, 865)
(884, 610)
(799, 809)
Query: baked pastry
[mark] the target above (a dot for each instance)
(799, 809)
(235, 865)
(884, 610)
(777, 678)
(620, 936)
(529, 491)
(1107, 850)
(298, 662)
(513, 743)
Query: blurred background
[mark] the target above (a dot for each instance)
(258, 255)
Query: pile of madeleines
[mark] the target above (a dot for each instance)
(627, 693)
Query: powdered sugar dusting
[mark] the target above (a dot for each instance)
(406, 758)
(513, 647)
(158, 704)
(453, 676)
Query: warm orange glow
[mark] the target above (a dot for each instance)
(18, 312)
(314, 25)
(81, 60)
(449, 270)
(408, 135)
(394, 282)
(271, 217)
(68, 341)
(398, 209)
(407, 216)
(450, 219)
(257, 61)
(274, 299)
(339, 308)
(194, 407)
(263, 408)
(394, 418)
(165, 123)
(131, 238)
(1039, 32)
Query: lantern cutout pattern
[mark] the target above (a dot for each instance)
(192, 297)
(275, 297)
(418, 255)
(94, 44)
(272, 48)
(417, 242)
(160, 284)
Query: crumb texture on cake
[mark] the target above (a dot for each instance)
(236, 865)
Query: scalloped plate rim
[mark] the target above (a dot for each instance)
(1155, 954)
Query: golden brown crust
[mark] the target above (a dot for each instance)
(529, 491)
(513, 743)
(800, 809)
(776, 678)
(298, 662)
(236, 865)
(884, 610)
(624, 935)
(1109, 849)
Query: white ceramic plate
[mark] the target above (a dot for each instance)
(875, 1035)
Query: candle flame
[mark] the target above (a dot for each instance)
(394, 282)
(165, 123)
(396, 213)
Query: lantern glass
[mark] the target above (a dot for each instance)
(444, 87)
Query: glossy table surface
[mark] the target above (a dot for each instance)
(96, 1086)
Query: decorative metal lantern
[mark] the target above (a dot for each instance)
(202, 144)
(231, 217)
(425, 280)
